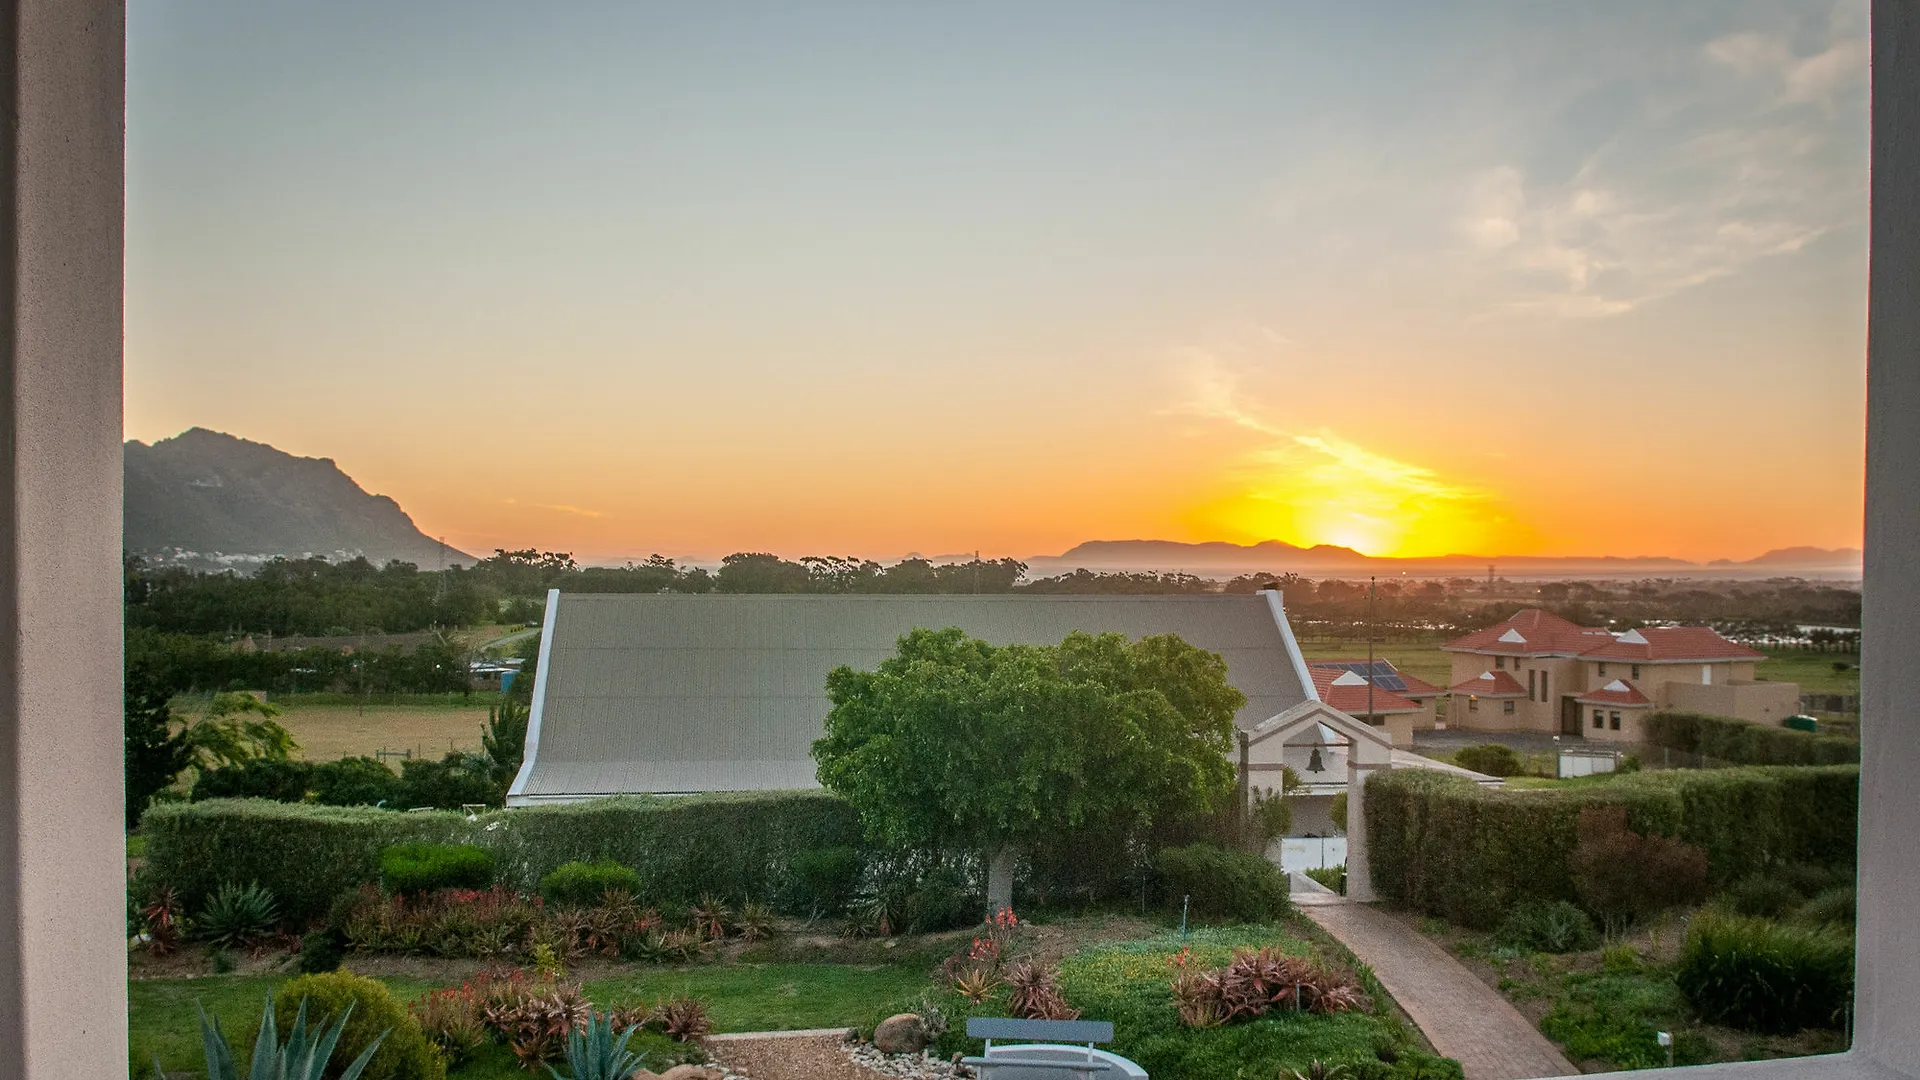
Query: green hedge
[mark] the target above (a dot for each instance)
(1221, 883)
(1741, 743)
(737, 846)
(416, 868)
(584, 884)
(1449, 847)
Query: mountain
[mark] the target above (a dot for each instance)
(1216, 558)
(210, 496)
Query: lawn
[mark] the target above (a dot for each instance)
(328, 732)
(777, 997)
(1812, 670)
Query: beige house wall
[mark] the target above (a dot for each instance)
(1766, 703)
(1633, 728)
(1486, 714)
(1562, 676)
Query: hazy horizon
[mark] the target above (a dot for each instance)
(1412, 279)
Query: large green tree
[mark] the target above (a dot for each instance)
(958, 745)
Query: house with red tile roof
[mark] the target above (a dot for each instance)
(1538, 672)
(1390, 698)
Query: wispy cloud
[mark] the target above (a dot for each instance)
(1737, 163)
(561, 508)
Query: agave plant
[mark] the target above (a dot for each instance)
(303, 1056)
(684, 1018)
(976, 984)
(756, 921)
(711, 917)
(595, 1052)
(236, 915)
(164, 923)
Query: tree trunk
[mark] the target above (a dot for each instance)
(1000, 880)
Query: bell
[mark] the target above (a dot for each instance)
(1314, 764)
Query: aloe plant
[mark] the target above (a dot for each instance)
(594, 1052)
(303, 1056)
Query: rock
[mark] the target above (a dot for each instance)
(902, 1033)
(690, 1072)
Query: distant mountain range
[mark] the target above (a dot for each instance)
(210, 498)
(1215, 558)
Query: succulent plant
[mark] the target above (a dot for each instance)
(683, 1018)
(303, 1056)
(597, 1051)
(236, 915)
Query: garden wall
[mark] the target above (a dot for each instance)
(1449, 847)
(736, 845)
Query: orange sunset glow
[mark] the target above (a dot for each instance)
(618, 281)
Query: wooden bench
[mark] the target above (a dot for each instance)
(1060, 1053)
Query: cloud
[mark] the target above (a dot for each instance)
(561, 508)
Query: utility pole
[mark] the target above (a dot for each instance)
(1370, 594)
(976, 571)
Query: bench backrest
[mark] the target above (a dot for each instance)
(1053, 1031)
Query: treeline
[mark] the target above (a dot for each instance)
(291, 597)
(199, 663)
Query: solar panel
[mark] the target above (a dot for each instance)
(1381, 674)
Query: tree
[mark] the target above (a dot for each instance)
(237, 729)
(505, 739)
(956, 745)
(155, 753)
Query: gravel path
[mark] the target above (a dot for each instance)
(817, 1056)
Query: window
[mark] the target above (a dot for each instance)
(1603, 671)
(1532, 685)
(1500, 663)
(1636, 671)
(1507, 706)
(1706, 674)
(1543, 686)
(1473, 703)
(1613, 720)
(1599, 719)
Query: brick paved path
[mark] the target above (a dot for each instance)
(1461, 1016)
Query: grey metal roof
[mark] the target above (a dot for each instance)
(670, 693)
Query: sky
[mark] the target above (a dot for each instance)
(869, 278)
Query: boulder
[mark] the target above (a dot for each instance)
(902, 1033)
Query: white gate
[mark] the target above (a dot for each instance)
(1312, 852)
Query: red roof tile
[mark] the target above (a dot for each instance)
(1347, 692)
(1530, 633)
(1617, 692)
(1670, 643)
(1416, 687)
(1491, 684)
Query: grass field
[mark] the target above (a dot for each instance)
(1422, 660)
(328, 732)
(1813, 670)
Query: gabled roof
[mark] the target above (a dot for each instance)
(1617, 692)
(1347, 691)
(1491, 684)
(1670, 644)
(671, 694)
(1531, 633)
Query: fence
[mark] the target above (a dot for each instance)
(1312, 852)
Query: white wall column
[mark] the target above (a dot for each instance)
(63, 988)
(1359, 872)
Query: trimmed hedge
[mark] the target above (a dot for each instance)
(416, 868)
(1741, 743)
(1222, 883)
(584, 884)
(736, 846)
(1449, 847)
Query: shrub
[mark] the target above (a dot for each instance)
(683, 1018)
(455, 781)
(355, 781)
(582, 884)
(1738, 742)
(1836, 907)
(238, 915)
(1445, 846)
(1762, 895)
(405, 1053)
(413, 868)
(321, 951)
(447, 923)
(1333, 877)
(1764, 976)
(1492, 759)
(534, 1018)
(451, 1019)
(1548, 926)
(822, 882)
(299, 1058)
(1256, 982)
(940, 902)
(1033, 992)
(259, 778)
(1222, 883)
(1622, 875)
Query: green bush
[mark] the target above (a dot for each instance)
(1446, 846)
(261, 778)
(736, 846)
(416, 868)
(942, 901)
(453, 782)
(584, 884)
(355, 781)
(1766, 976)
(1333, 877)
(1834, 907)
(1623, 876)
(1738, 742)
(822, 882)
(404, 1055)
(321, 951)
(1222, 883)
(1762, 895)
(1492, 759)
(1548, 926)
